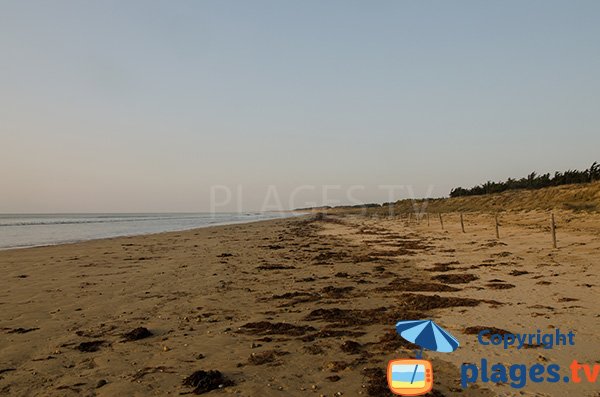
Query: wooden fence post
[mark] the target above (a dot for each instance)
(462, 223)
(441, 220)
(497, 227)
(428, 219)
(553, 229)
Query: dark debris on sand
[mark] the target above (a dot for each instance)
(332, 333)
(376, 382)
(499, 285)
(90, 347)
(406, 284)
(305, 280)
(137, 334)
(460, 278)
(268, 328)
(275, 247)
(337, 366)
(351, 347)
(427, 302)
(518, 272)
(336, 292)
(391, 341)
(443, 266)
(295, 294)
(349, 317)
(323, 257)
(21, 330)
(410, 306)
(266, 357)
(478, 328)
(274, 267)
(313, 349)
(205, 381)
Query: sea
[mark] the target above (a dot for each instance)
(31, 230)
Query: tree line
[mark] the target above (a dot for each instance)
(532, 181)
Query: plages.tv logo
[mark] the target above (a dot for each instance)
(414, 377)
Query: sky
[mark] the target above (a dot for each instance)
(159, 106)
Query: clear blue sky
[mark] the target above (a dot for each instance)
(144, 105)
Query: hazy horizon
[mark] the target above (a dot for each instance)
(144, 107)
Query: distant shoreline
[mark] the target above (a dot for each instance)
(268, 217)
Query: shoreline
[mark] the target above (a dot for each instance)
(293, 306)
(290, 214)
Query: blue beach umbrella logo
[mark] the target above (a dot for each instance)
(427, 335)
(414, 377)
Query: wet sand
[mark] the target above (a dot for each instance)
(293, 307)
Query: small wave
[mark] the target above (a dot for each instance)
(105, 219)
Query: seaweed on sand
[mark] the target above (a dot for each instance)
(205, 381)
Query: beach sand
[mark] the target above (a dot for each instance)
(295, 307)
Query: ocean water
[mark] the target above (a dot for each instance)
(30, 230)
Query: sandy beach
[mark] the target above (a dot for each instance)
(299, 199)
(295, 307)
